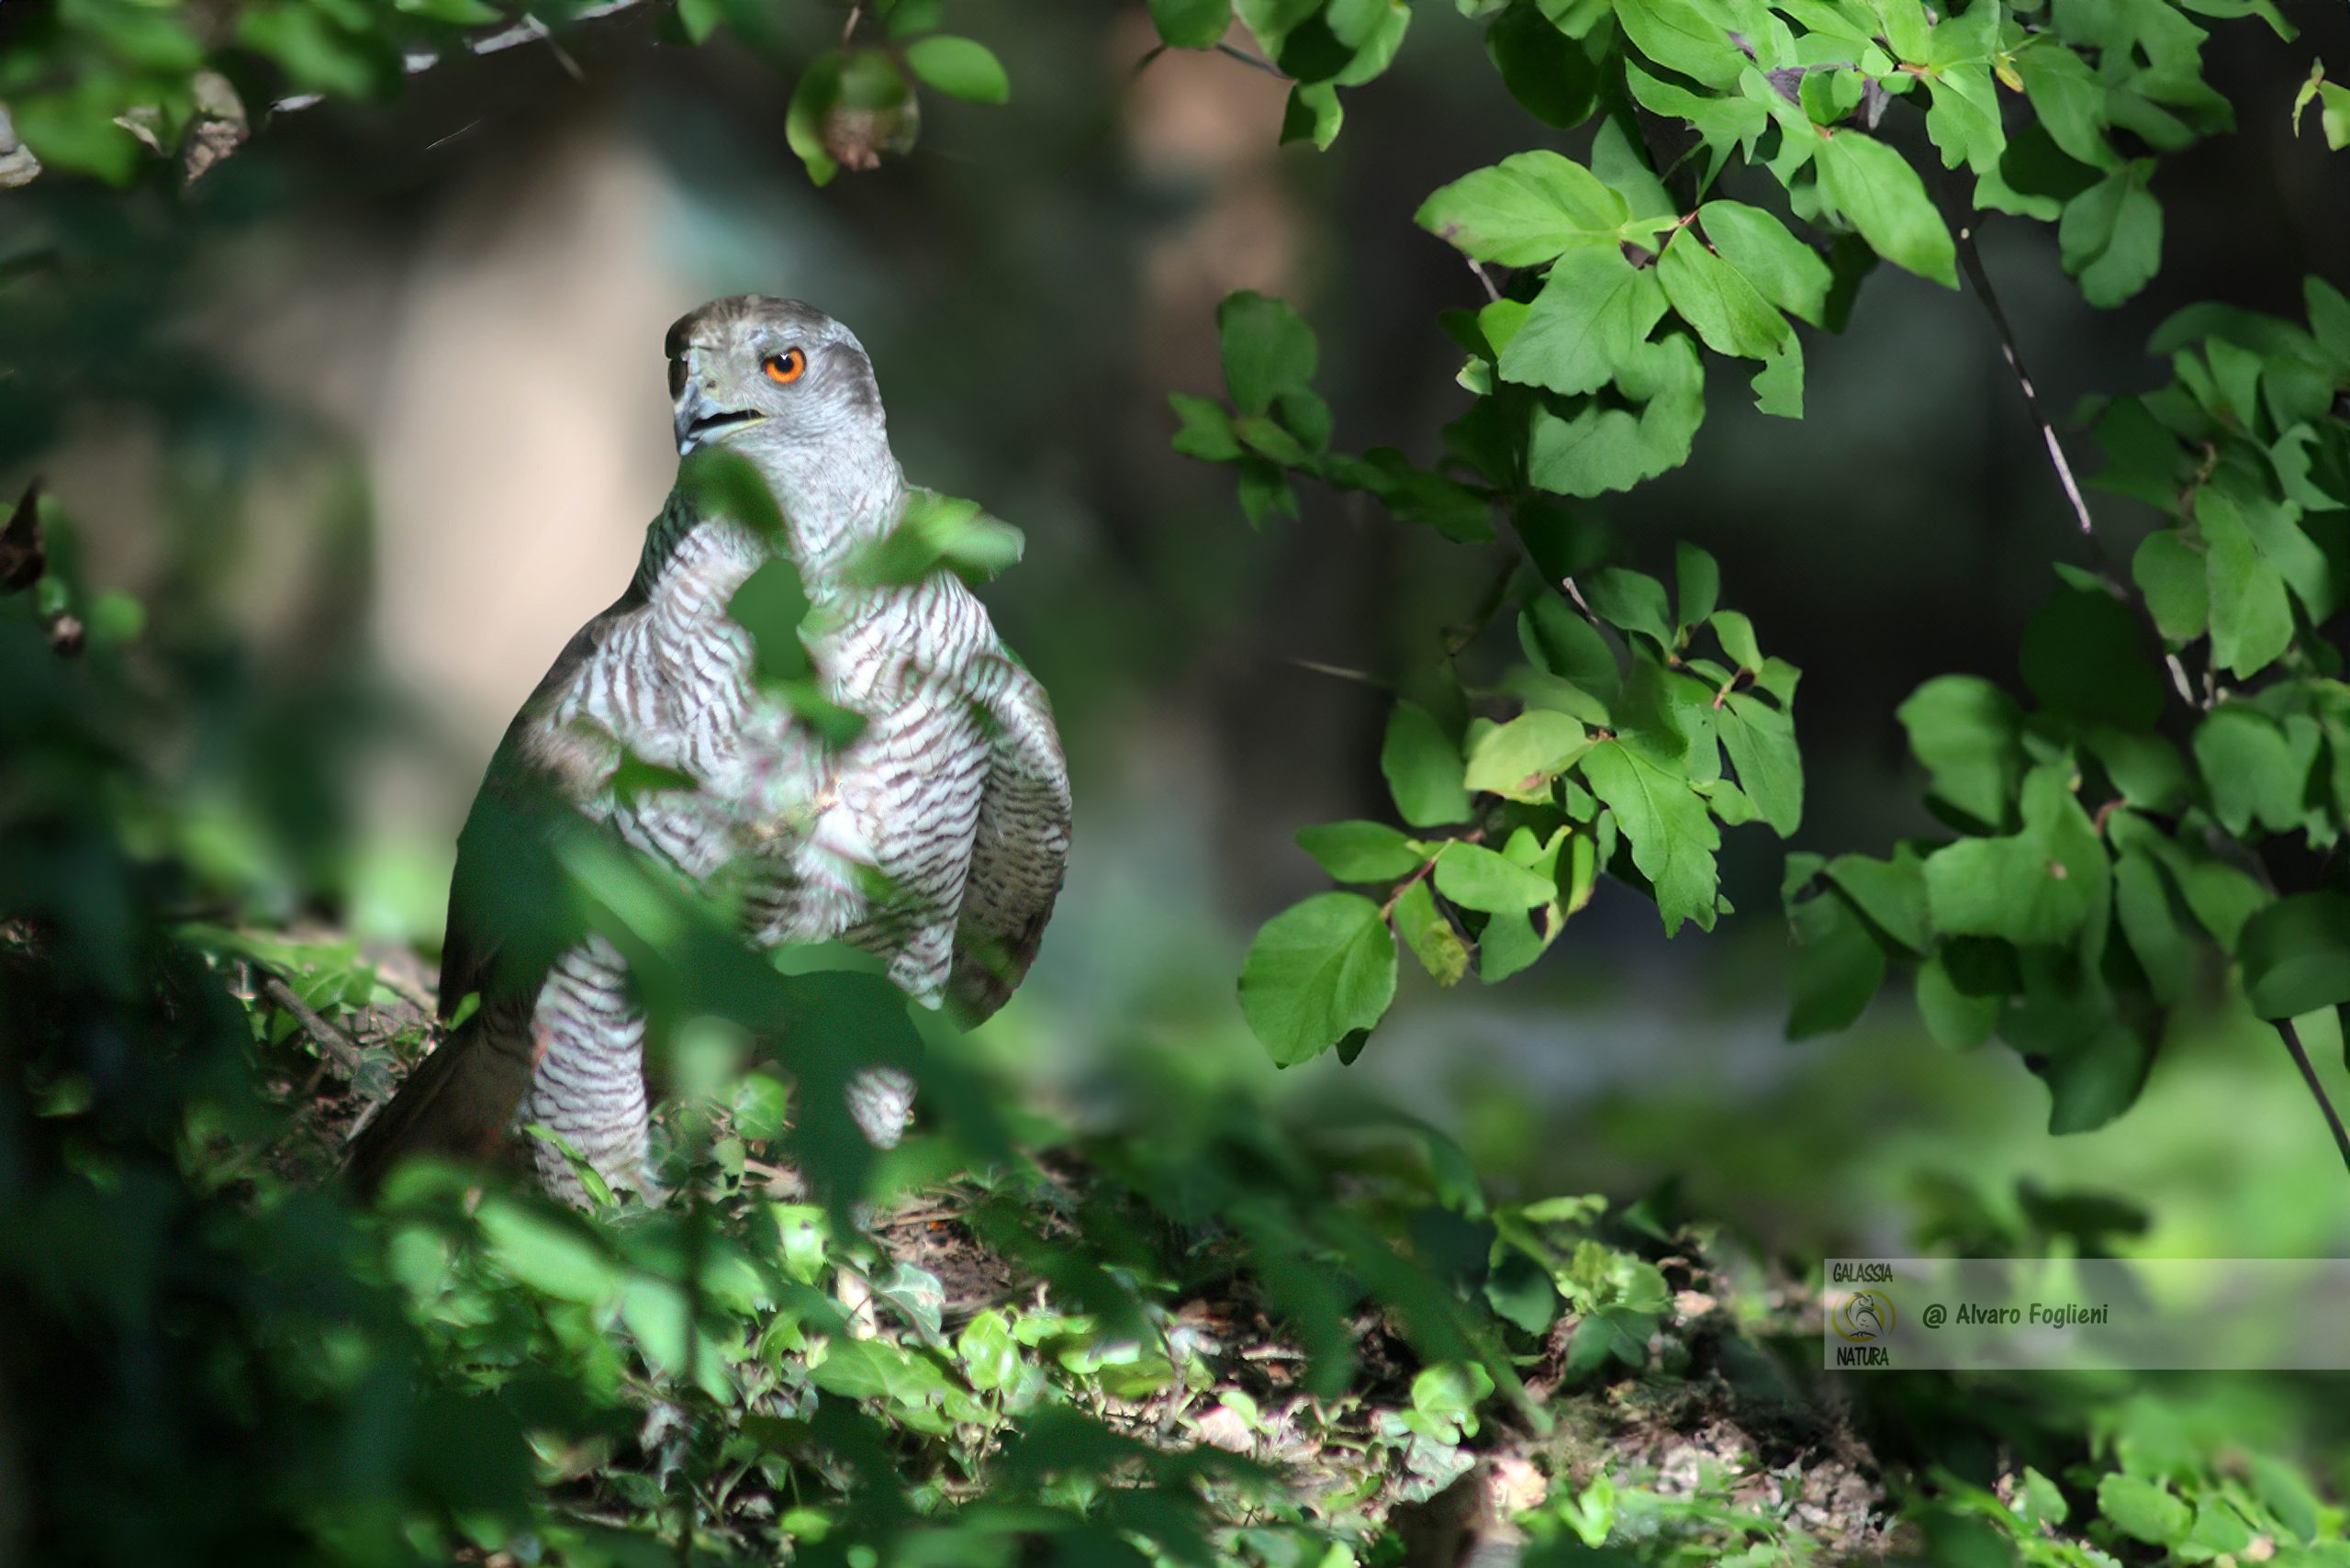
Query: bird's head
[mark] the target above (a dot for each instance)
(773, 377)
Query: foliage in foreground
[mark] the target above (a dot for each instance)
(1199, 1337)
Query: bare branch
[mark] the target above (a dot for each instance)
(219, 129)
(529, 29)
(330, 1040)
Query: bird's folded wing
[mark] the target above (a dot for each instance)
(504, 930)
(1021, 847)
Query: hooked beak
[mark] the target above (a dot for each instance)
(698, 420)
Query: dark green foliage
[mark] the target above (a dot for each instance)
(2189, 724)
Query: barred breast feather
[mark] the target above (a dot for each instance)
(935, 837)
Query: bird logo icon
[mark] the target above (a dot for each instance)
(1861, 1316)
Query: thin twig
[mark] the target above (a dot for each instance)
(1258, 60)
(1971, 258)
(1341, 672)
(529, 30)
(328, 1038)
(562, 55)
(2309, 1075)
(1575, 594)
(1493, 295)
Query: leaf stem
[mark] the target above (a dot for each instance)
(1396, 897)
(2317, 1089)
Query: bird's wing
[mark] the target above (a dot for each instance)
(1021, 848)
(461, 1099)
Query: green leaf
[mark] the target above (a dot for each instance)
(2171, 574)
(1736, 634)
(319, 52)
(77, 131)
(1512, 940)
(2333, 108)
(2112, 235)
(556, 1255)
(1450, 1393)
(1783, 269)
(2146, 767)
(2254, 771)
(1604, 448)
(936, 532)
(1724, 125)
(1559, 640)
(2037, 886)
(1476, 878)
(1312, 113)
(1672, 834)
(1430, 936)
(1957, 1019)
(1318, 971)
(1192, 23)
(1876, 189)
(1836, 970)
(2296, 955)
(816, 94)
(1968, 733)
(959, 67)
(1965, 119)
(772, 607)
(2144, 1510)
(1778, 385)
(1552, 78)
(1631, 602)
(1362, 851)
(1890, 892)
(1423, 768)
(1592, 318)
(2150, 914)
(1206, 429)
(2328, 313)
(1697, 584)
(1727, 312)
(1760, 740)
(2069, 98)
(1517, 760)
(1268, 350)
(990, 1356)
(2083, 657)
(2252, 619)
(1685, 36)
(1524, 210)
(2287, 1495)
(2093, 1072)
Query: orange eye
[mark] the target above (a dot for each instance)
(786, 368)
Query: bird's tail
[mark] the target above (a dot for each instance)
(459, 1103)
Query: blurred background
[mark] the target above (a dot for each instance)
(362, 425)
